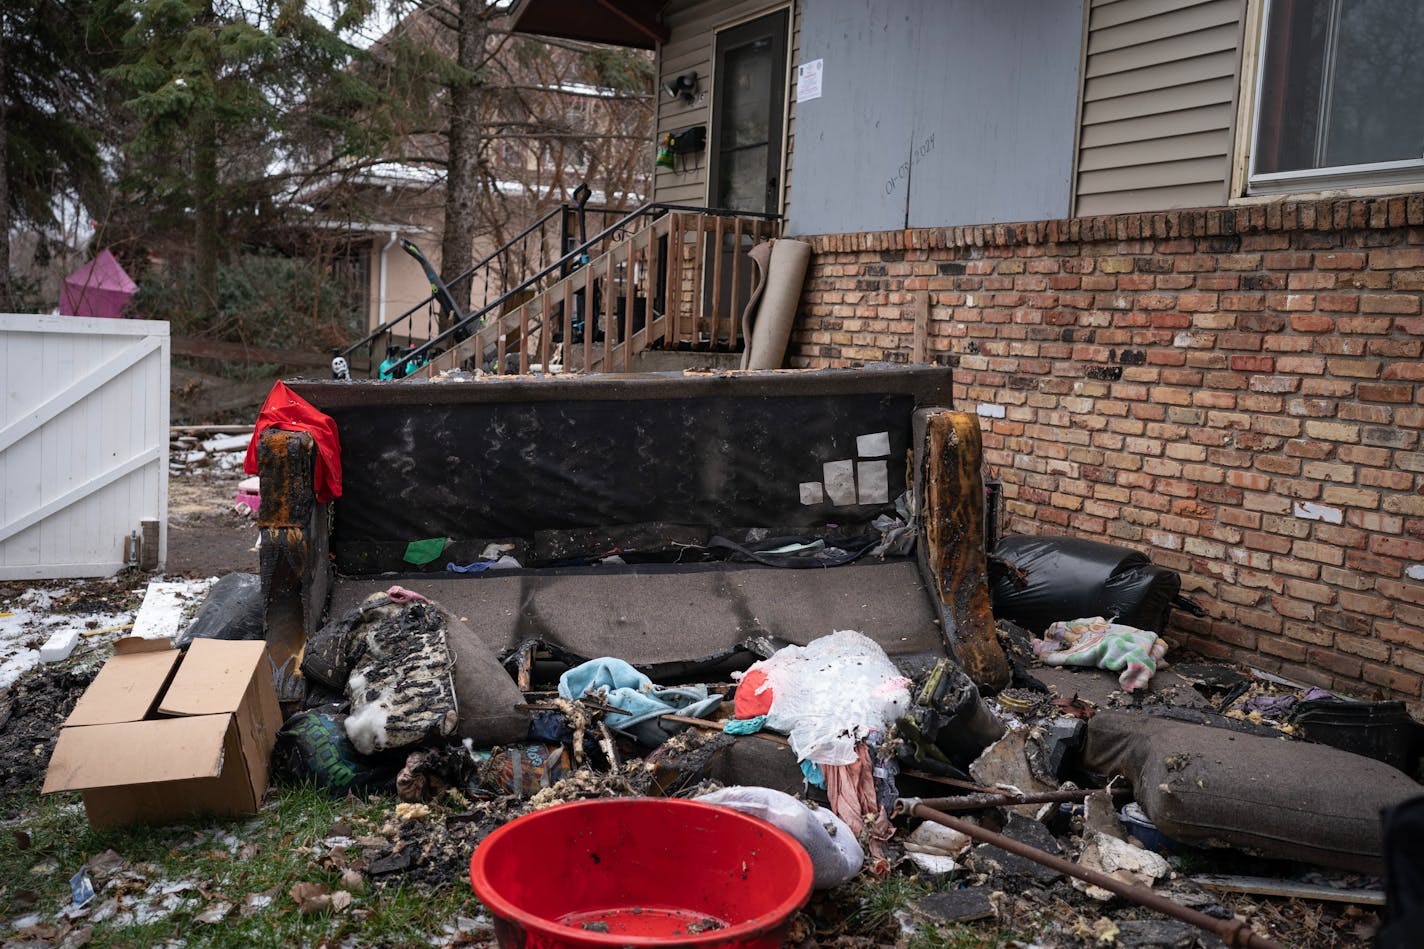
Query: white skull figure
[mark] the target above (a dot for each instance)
(339, 368)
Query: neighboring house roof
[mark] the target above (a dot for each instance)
(367, 227)
(404, 174)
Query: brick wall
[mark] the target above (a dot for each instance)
(1236, 392)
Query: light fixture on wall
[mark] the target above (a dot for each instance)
(684, 87)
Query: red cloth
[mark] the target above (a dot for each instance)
(748, 704)
(286, 410)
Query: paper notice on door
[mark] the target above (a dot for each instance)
(808, 80)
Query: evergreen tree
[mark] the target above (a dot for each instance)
(232, 99)
(55, 112)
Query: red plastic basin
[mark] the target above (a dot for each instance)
(640, 872)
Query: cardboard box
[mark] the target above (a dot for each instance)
(161, 734)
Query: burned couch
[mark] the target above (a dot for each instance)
(666, 520)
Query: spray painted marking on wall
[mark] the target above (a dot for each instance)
(917, 154)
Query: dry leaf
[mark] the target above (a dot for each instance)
(106, 864)
(340, 900)
(311, 897)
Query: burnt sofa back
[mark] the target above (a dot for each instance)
(537, 461)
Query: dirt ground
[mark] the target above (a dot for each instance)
(206, 537)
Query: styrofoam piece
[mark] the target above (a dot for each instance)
(933, 862)
(168, 606)
(59, 646)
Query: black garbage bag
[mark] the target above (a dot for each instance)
(1038, 581)
(1403, 918)
(233, 610)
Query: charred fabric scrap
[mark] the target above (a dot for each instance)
(499, 691)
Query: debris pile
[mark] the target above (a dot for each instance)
(1112, 794)
(210, 449)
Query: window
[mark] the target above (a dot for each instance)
(1339, 95)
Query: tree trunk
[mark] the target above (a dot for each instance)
(457, 246)
(205, 231)
(7, 298)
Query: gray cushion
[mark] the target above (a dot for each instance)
(1280, 798)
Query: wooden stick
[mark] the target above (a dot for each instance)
(920, 351)
(96, 632)
(717, 726)
(951, 782)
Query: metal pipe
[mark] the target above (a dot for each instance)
(1234, 932)
(974, 802)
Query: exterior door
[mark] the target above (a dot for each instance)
(749, 89)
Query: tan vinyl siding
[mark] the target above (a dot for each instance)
(691, 27)
(1159, 98)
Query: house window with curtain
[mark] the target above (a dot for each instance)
(1339, 95)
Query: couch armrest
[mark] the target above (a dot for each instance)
(949, 489)
(295, 567)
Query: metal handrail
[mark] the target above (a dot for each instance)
(656, 209)
(386, 328)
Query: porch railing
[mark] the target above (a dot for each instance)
(552, 237)
(663, 276)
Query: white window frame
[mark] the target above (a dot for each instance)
(1409, 171)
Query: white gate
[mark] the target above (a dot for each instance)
(83, 442)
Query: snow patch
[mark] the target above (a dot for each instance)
(31, 622)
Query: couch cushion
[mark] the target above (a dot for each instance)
(660, 613)
(1291, 800)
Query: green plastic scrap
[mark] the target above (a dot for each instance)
(420, 552)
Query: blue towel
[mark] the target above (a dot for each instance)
(813, 773)
(618, 684)
(744, 726)
(607, 673)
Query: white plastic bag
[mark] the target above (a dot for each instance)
(836, 856)
(830, 694)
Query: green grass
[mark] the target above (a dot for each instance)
(295, 818)
(958, 937)
(879, 901)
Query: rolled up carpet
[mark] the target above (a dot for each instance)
(785, 273)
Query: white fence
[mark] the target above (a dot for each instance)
(83, 442)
